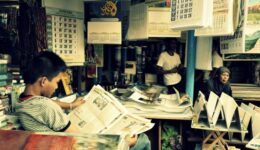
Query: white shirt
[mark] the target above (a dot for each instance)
(168, 62)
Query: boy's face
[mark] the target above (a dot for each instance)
(51, 86)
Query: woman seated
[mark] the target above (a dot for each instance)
(218, 83)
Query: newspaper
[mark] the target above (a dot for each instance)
(102, 113)
(153, 100)
(155, 96)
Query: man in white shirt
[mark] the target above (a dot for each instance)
(169, 64)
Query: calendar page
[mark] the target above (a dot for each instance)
(191, 14)
(104, 32)
(138, 22)
(66, 35)
(222, 19)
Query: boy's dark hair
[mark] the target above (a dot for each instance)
(46, 64)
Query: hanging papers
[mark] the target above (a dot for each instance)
(191, 14)
(138, 22)
(65, 34)
(104, 32)
(222, 19)
(247, 34)
(159, 22)
(145, 22)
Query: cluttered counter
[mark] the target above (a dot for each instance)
(144, 107)
(153, 102)
(246, 92)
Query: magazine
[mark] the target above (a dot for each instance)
(102, 113)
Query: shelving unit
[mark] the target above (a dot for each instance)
(155, 135)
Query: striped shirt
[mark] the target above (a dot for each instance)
(41, 114)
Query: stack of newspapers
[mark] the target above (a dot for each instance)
(150, 100)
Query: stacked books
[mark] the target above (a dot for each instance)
(4, 100)
(3, 71)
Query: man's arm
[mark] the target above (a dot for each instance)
(160, 70)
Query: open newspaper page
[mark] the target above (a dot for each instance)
(102, 113)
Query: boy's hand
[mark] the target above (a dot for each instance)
(131, 140)
(77, 102)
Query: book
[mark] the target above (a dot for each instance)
(102, 113)
(200, 111)
(211, 106)
(65, 79)
(3, 121)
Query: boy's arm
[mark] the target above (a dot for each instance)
(78, 101)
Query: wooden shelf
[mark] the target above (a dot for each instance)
(199, 139)
(8, 2)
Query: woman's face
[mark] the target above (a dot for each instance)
(224, 77)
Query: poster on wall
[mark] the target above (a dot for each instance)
(246, 37)
(118, 9)
(94, 54)
(252, 27)
(66, 35)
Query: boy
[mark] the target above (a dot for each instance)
(36, 111)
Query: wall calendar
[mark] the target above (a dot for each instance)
(66, 35)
